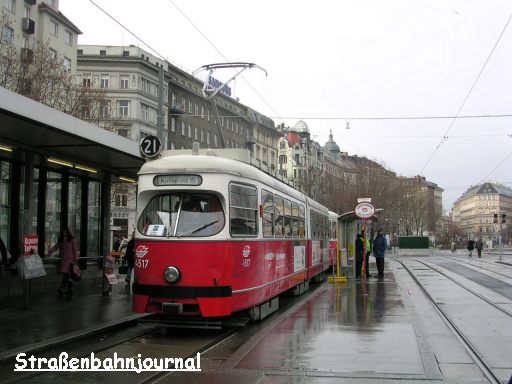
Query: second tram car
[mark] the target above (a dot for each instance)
(215, 235)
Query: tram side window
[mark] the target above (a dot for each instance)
(287, 218)
(314, 225)
(279, 204)
(267, 199)
(302, 217)
(295, 219)
(243, 210)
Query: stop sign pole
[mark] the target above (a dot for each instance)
(364, 210)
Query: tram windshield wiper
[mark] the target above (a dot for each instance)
(198, 228)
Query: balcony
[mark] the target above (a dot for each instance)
(177, 109)
(28, 25)
(26, 55)
(30, 2)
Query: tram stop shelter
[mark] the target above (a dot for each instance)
(56, 171)
(349, 225)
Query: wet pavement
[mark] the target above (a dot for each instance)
(53, 319)
(379, 330)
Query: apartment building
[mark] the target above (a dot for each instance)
(474, 211)
(26, 21)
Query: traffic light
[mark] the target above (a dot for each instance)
(495, 218)
(503, 218)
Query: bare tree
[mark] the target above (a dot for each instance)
(40, 74)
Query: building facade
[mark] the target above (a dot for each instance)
(25, 22)
(474, 212)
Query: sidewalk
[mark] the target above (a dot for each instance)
(52, 319)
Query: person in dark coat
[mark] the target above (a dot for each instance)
(479, 246)
(380, 245)
(359, 244)
(471, 247)
(129, 256)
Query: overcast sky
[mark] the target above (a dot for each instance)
(329, 61)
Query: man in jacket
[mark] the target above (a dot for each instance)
(359, 245)
(379, 249)
(479, 245)
(471, 247)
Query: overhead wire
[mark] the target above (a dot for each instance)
(221, 54)
(127, 30)
(445, 136)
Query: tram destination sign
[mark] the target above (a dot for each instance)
(364, 210)
(150, 146)
(162, 180)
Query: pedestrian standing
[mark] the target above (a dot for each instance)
(368, 253)
(479, 246)
(453, 246)
(129, 256)
(68, 253)
(359, 244)
(471, 247)
(379, 250)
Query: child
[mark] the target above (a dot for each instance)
(109, 277)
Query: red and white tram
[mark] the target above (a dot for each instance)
(216, 235)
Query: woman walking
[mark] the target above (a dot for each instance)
(68, 253)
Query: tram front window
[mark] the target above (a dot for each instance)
(182, 215)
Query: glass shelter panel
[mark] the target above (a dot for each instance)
(53, 209)
(94, 219)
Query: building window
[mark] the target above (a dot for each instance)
(10, 5)
(183, 128)
(104, 81)
(121, 200)
(144, 112)
(7, 35)
(53, 53)
(105, 108)
(67, 64)
(54, 28)
(190, 106)
(189, 131)
(123, 109)
(208, 138)
(122, 132)
(196, 109)
(68, 38)
(173, 124)
(196, 133)
(86, 82)
(124, 82)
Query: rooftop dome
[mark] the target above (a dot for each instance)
(331, 145)
(301, 126)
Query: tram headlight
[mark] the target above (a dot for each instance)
(172, 274)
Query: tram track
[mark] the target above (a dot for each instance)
(89, 338)
(465, 261)
(160, 338)
(488, 301)
(480, 361)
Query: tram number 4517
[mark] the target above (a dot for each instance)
(141, 263)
